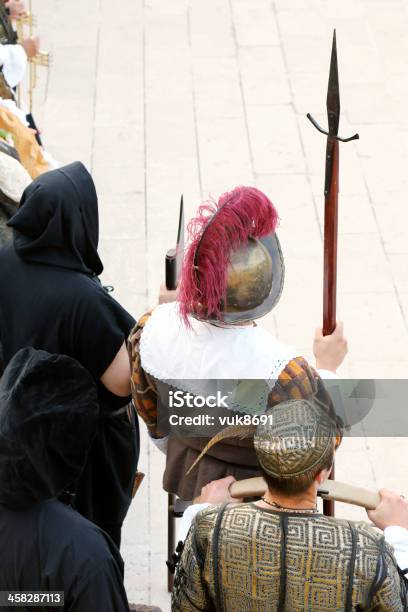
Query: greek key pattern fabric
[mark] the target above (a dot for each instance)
(318, 555)
(301, 436)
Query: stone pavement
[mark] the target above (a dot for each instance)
(164, 97)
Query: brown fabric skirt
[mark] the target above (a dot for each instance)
(229, 457)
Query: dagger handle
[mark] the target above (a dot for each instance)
(171, 270)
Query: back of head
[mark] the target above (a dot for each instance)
(48, 419)
(295, 444)
(57, 222)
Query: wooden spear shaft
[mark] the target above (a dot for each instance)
(331, 215)
(330, 242)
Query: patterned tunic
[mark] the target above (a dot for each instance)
(244, 558)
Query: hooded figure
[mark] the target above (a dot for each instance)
(48, 418)
(51, 299)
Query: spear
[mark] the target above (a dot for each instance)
(331, 196)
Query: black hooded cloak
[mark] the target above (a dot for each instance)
(48, 417)
(51, 299)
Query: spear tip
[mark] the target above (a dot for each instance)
(333, 59)
(333, 91)
(334, 43)
(180, 232)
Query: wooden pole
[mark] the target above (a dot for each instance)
(330, 263)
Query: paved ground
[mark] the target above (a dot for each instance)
(187, 96)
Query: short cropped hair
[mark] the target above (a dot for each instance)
(299, 484)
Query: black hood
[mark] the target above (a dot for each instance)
(57, 222)
(48, 419)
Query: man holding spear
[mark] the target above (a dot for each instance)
(331, 195)
(228, 281)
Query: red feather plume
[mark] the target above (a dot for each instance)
(218, 229)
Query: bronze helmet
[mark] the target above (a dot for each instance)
(233, 269)
(249, 277)
(255, 280)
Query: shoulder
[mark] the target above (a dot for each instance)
(368, 535)
(79, 545)
(369, 541)
(234, 514)
(362, 530)
(141, 323)
(265, 337)
(163, 312)
(208, 516)
(159, 332)
(136, 333)
(134, 346)
(90, 287)
(371, 538)
(205, 521)
(93, 299)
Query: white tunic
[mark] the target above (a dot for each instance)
(171, 351)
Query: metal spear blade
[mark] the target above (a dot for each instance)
(333, 93)
(180, 240)
(332, 101)
(180, 233)
(174, 257)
